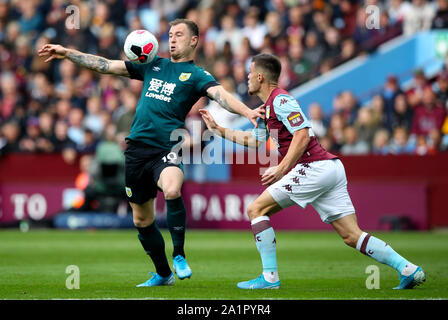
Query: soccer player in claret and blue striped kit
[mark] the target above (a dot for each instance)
(307, 174)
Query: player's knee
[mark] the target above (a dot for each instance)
(171, 193)
(142, 215)
(254, 211)
(141, 222)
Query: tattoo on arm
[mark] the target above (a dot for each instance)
(89, 61)
(222, 102)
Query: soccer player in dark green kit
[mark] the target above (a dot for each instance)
(170, 88)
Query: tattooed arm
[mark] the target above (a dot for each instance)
(89, 61)
(232, 104)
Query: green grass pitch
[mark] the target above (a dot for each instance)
(312, 265)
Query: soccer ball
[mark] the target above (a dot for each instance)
(141, 46)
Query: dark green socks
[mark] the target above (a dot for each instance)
(154, 245)
(176, 219)
(152, 240)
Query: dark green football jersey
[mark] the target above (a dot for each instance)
(170, 89)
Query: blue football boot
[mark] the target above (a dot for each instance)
(157, 280)
(416, 278)
(181, 267)
(258, 283)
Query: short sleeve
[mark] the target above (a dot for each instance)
(136, 71)
(204, 81)
(288, 111)
(260, 133)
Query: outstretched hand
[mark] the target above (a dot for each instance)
(256, 113)
(52, 51)
(208, 119)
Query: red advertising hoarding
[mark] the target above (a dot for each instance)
(31, 201)
(413, 187)
(224, 206)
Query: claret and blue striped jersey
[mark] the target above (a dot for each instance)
(283, 117)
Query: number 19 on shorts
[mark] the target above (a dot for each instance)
(170, 158)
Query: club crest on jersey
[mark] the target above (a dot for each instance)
(184, 76)
(268, 111)
(128, 192)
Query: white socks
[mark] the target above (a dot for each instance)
(408, 269)
(271, 276)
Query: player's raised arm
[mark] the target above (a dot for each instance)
(89, 61)
(232, 104)
(241, 137)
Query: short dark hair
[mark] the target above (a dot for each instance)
(192, 26)
(270, 64)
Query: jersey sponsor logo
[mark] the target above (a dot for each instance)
(160, 90)
(184, 76)
(128, 192)
(295, 119)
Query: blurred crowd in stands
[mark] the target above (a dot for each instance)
(395, 121)
(59, 107)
